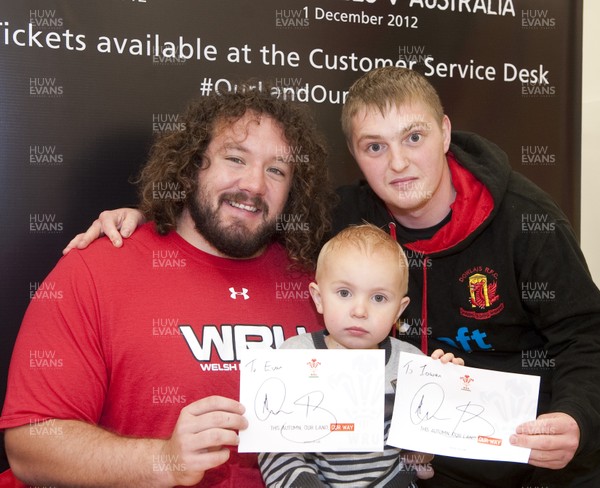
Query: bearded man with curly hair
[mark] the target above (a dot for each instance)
(148, 337)
(180, 160)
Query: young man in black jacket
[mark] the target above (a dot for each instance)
(484, 244)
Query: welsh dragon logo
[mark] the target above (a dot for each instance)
(483, 298)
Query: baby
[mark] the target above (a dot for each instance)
(360, 288)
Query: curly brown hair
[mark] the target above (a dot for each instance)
(176, 158)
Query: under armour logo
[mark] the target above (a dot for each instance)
(234, 294)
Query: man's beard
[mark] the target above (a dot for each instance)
(234, 240)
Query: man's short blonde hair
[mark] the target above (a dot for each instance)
(369, 239)
(387, 87)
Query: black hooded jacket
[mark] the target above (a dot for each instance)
(504, 285)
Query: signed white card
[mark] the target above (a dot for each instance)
(305, 400)
(460, 411)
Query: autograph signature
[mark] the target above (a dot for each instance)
(270, 400)
(429, 400)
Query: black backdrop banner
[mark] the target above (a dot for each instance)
(84, 86)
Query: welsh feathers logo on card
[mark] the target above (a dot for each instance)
(466, 381)
(313, 364)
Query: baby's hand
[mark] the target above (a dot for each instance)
(447, 357)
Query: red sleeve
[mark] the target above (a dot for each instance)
(58, 367)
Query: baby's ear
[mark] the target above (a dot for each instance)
(403, 304)
(315, 293)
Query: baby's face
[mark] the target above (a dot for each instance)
(359, 296)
